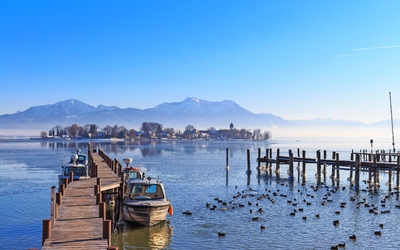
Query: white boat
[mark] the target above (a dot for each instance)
(145, 202)
(78, 164)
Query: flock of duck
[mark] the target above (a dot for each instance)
(301, 199)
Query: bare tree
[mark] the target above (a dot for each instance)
(170, 132)
(257, 134)
(43, 134)
(131, 133)
(267, 135)
(73, 131)
(107, 131)
(189, 131)
(114, 132)
(122, 132)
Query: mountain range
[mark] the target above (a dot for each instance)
(191, 111)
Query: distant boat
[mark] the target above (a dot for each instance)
(78, 164)
(145, 202)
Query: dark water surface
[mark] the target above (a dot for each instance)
(194, 174)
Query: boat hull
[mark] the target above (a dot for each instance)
(146, 214)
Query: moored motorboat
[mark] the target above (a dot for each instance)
(145, 202)
(78, 164)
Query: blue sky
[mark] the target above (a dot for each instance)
(294, 59)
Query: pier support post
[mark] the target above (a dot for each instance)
(71, 177)
(46, 230)
(398, 174)
(96, 189)
(324, 169)
(96, 169)
(227, 165)
(102, 210)
(291, 175)
(304, 166)
(298, 166)
(319, 167)
(357, 173)
(107, 231)
(259, 163)
(248, 167)
(337, 170)
(333, 168)
(52, 205)
(121, 202)
(58, 198)
(277, 167)
(62, 189)
(98, 198)
(375, 169)
(351, 175)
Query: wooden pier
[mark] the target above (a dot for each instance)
(373, 163)
(77, 211)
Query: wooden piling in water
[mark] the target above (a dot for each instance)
(46, 230)
(337, 170)
(304, 166)
(121, 200)
(227, 165)
(71, 177)
(59, 198)
(258, 162)
(291, 175)
(398, 174)
(277, 167)
(102, 210)
(357, 173)
(107, 231)
(375, 172)
(319, 167)
(333, 168)
(52, 205)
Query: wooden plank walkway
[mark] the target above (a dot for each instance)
(78, 225)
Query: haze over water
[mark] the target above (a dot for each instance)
(194, 174)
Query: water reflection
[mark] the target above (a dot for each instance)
(153, 148)
(138, 237)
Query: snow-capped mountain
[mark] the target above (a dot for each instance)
(201, 114)
(192, 104)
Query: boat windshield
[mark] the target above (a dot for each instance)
(134, 175)
(81, 159)
(152, 191)
(79, 171)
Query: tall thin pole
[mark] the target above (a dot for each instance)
(391, 116)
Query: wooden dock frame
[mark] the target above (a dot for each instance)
(77, 211)
(372, 162)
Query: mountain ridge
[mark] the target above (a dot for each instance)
(200, 113)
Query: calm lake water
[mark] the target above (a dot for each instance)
(194, 174)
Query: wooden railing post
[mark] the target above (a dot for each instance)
(46, 230)
(52, 205)
(102, 210)
(107, 231)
